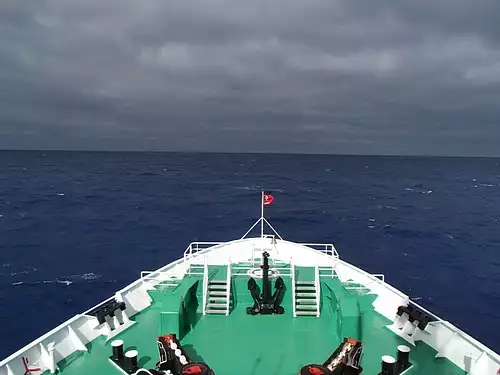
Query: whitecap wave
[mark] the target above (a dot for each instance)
(25, 272)
(418, 190)
(65, 282)
(29, 283)
(249, 188)
(89, 276)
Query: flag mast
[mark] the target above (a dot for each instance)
(262, 215)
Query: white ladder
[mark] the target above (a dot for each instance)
(218, 295)
(217, 298)
(307, 295)
(306, 301)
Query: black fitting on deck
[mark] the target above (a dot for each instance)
(107, 309)
(391, 366)
(130, 362)
(265, 303)
(416, 314)
(173, 357)
(117, 346)
(266, 286)
(403, 358)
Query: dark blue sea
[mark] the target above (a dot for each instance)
(75, 227)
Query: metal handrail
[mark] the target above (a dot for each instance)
(326, 248)
(228, 287)
(292, 273)
(196, 246)
(205, 287)
(317, 287)
(146, 275)
(333, 269)
(378, 278)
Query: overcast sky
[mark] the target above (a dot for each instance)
(314, 76)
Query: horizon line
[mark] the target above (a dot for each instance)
(252, 153)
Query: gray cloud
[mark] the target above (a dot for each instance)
(228, 75)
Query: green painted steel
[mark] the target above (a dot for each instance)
(249, 345)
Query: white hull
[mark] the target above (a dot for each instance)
(448, 341)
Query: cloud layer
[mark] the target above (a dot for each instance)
(335, 76)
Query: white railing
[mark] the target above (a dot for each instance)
(292, 273)
(332, 270)
(228, 287)
(281, 270)
(317, 287)
(197, 269)
(326, 248)
(205, 287)
(156, 277)
(196, 247)
(376, 278)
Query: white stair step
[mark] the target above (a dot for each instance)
(305, 294)
(304, 287)
(304, 283)
(306, 307)
(217, 288)
(217, 293)
(311, 313)
(305, 300)
(217, 282)
(216, 311)
(213, 299)
(217, 305)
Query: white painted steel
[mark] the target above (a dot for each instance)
(292, 273)
(205, 287)
(317, 289)
(449, 341)
(228, 287)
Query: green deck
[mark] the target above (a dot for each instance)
(249, 345)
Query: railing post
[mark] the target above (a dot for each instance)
(317, 282)
(228, 285)
(292, 269)
(205, 286)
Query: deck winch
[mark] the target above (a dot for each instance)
(173, 359)
(266, 303)
(345, 360)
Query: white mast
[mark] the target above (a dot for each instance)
(262, 215)
(262, 219)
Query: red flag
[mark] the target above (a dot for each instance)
(268, 199)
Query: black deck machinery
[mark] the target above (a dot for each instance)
(266, 303)
(345, 360)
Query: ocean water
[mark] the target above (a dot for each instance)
(76, 227)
